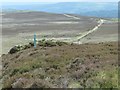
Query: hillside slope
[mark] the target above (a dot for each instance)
(62, 65)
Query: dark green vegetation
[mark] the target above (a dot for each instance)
(43, 43)
(58, 64)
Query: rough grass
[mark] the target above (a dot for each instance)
(63, 65)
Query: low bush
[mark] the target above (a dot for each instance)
(50, 43)
(14, 72)
(43, 42)
(31, 44)
(61, 43)
(14, 50)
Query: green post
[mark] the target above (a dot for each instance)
(34, 40)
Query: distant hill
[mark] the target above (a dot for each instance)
(107, 10)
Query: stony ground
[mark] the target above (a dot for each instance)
(62, 66)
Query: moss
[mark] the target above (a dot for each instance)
(61, 43)
(14, 71)
(74, 85)
(25, 68)
(109, 78)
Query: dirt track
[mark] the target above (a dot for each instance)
(18, 28)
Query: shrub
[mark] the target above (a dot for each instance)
(14, 72)
(60, 43)
(47, 43)
(31, 43)
(14, 50)
(50, 43)
(26, 46)
(23, 70)
(43, 40)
